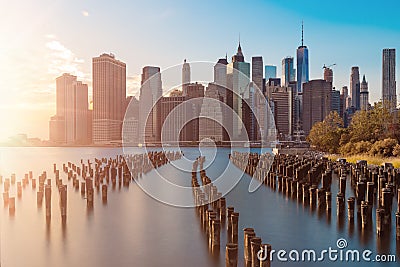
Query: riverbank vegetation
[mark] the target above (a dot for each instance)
(374, 133)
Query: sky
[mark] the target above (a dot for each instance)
(41, 40)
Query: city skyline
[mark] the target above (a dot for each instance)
(30, 85)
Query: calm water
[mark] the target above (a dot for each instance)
(133, 229)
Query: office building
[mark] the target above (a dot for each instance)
(238, 79)
(316, 103)
(257, 72)
(270, 72)
(109, 95)
(389, 97)
(364, 101)
(282, 102)
(70, 124)
(149, 112)
(211, 120)
(288, 71)
(355, 87)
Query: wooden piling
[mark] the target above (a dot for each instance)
(11, 205)
(231, 255)
(255, 248)
(248, 235)
(265, 257)
(47, 194)
(235, 226)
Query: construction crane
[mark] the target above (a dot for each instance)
(324, 67)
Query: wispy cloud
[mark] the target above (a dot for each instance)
(133, 84)
(85, 13)
(63, 60)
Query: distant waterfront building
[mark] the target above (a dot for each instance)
(270, 72)
(211, 115)
(171, 128)
(355, 87)
(220, 80)
(316, 103)
(109, 95)
(288, 71)
(194, 93)
(282, 103)
(364, 102)
(257, 72)
(149, 112)
(389, 97)
(238, 78)
(70, 124)
(185, 74)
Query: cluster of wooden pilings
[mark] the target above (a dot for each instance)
(308, 180)
(214, 215)
(86, 177)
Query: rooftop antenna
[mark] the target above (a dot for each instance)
(302, 33)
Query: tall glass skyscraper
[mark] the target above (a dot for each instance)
(288, 71)
(270, 72)
(302, 64)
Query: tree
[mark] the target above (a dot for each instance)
(326, 135)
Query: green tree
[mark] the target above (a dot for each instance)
(326, 135)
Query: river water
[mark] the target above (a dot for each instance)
(133, 229)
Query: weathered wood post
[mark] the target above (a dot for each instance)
(231, 255)
(255, 248)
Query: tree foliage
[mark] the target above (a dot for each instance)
(326, 135)
(375, 132)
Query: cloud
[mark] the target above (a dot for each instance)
(50, 36)
(63, 60)
(85, 13)
(133, 84)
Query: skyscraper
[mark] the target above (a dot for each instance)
(335, 101)
(257, 72)
(70, 125)
(288, 72)
(364, 95)
(185, 74)
(220, 80)
(211, 115)
(270, 72)
(389, 97)
(281, 99)
(238, 78)
(149, 112)
(302, 64)
(109, 95)
(328, 74)
(355, 87)
(316, 103)
(173, 117)
(194, 93)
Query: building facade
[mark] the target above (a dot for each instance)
(316, 103)
(149, 112)
(355, 87)
(109, 95)
(288, 71)
(389, 97)
(364, 98)
(70, 124)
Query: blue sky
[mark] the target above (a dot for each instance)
(40, 40)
